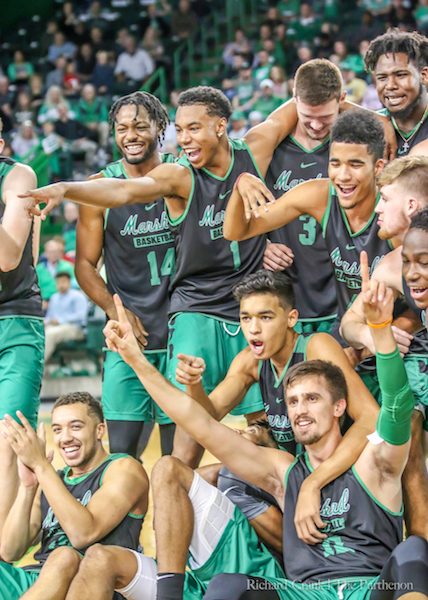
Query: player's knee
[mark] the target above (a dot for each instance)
(167, 470)
(65, 559)
(227, 586)
(99, 557)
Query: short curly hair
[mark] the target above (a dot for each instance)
(93, 405)
(153, 106)
(360, 127)
(413, 45)
(215, 102)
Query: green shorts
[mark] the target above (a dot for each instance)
(217, 342)
(238, 551)
(417, 374)
(14, 581)
(344, 589)
(321, 325)
(22, 349)
(124, 398)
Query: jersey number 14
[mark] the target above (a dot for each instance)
(167, 267)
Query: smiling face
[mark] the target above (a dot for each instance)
(77, 434)
(399, 83)
(135, 134)
(392, 208)
(352, 172)
(198, 133)
(415, 265)
(311, 410)
(265, 324)
(316, 121)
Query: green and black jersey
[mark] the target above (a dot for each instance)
(139, 258)
(19, 290)
(208, 266)
(361, 532)
(406, 141)
(311, 271)
(345, 248)
(126, 534)
(272, 390)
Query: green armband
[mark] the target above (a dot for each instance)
(398, 402)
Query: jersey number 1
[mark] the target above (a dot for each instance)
(166, 268)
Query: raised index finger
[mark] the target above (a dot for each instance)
(365, 274)
(121, 314)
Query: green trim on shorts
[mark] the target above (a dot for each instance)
(15, 581)
(22, 317)
(236, 323)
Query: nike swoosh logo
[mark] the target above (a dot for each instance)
(150, 206)
(303, 166)
(401, 151)
(349, 247)
(278, 400)
(223, 196)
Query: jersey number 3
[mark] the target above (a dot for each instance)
(309, 227)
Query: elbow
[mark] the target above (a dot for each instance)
(8, 555)
(79, 541)
(230, 233)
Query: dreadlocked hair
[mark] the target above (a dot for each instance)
(420, 220)
(413, 45)
(153, 106)
(215, 102)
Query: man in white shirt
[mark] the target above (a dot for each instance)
(134, 63)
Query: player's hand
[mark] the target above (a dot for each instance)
(51, 195)
(391, 145)
(403, 339)
(190, 369)
(138, 328)
(254, 194)
(120, 337)
(277, 257)
(307, 518)
(378, 300)
(29, 447)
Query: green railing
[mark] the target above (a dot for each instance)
(184, 64)
(241, 14)
(156, 85)
(38, 160)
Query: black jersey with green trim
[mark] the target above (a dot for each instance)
(139, 257)
(208, 266)
(345, 248)
(311, 272)
(272, 390)
(19, 290)
(419, 344)
(126, 534)
(361, 533)
(406, 141)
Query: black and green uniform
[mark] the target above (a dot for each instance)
(406, 141)
(272, 390)
(204, 315)
(15, 581)
(311, 272)
(22, 337)
(416, 360)
(139, 258)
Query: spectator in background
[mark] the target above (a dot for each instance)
(307, 26)
(67, 19)
(280, 86)
(60, 47)
(77, 136)
(103, 75)
(47, 270)
(340, 52)
(255, 117)
(377, 8)
(93, 113)
(80, 35)
(23, 110)
(304, 54)
(152, 44)
(232, 71)
(184, 21)
(264, 64)
(36, 87)
(154, 19)
(85, 62)
(400, 15)
(265, 33)
(66, 316)
(51, 144)
(97, 40)
(56, 76)
(71, 214)
(235, 47)
(25, 140)
(49, 109)
(119, 45)
(273, 17)
(355, 88)
(20, 70)
(288, 9)
(266, 101)
(371, 98)
(72, 85)
(47, 37)
(421, 16)
(134, 65)
(245, 87)
(6, 103)
(247, 52)
(238, 125)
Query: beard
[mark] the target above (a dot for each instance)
(138, 160)
(405, 113)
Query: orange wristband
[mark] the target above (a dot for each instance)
(379, 325)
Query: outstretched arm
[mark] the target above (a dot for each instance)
(381, 464)
(262, 466)
(248, 214)
(164, 180)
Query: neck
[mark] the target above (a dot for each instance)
(98, 458)
(407, 124)
(322, 450)
(359, 216)
(220, 162)
(143, 168)
(280, 359)
(300, 135)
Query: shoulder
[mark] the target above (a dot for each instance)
(127, 468)
(389, 270)
(318, 343)
(19, 173)
(246, 363)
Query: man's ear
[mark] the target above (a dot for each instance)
(339, 407)
(292, 317)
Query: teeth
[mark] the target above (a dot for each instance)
(71, 449)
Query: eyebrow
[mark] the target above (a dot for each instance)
(188, 124)
(70, 423)
(244, 313)
(351, 160)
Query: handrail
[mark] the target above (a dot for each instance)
(160, 91)
(38, 160)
